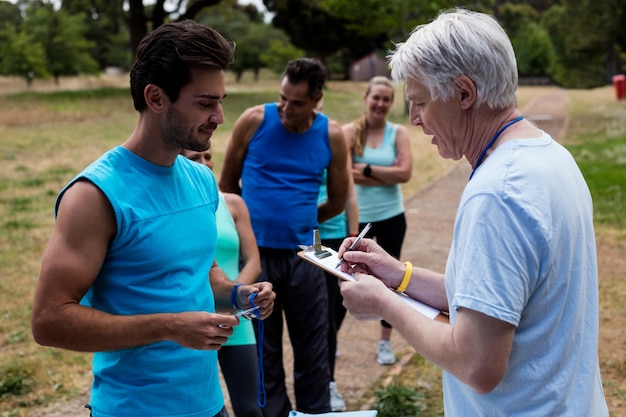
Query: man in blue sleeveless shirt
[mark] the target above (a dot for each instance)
(129, 270)
(280, 151)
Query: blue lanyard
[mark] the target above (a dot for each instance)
(261, 394)
(491, 142)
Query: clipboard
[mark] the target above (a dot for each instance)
(327, 258)
(362, 413)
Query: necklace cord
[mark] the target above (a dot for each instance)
(491, 142)
(261, 393)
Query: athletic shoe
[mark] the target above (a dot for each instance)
(385, 353)
(336, 400)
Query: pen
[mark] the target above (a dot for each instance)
(356, 241)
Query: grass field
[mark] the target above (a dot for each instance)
(47, 136)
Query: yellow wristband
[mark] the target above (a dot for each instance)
(408, 274)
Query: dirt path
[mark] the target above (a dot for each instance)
(430, 216)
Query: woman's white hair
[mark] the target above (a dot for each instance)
(459, 42)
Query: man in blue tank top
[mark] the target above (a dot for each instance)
(129, 271)
(279, 151)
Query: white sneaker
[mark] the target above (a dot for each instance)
(385, 353)
(336, 400)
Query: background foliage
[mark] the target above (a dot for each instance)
(573, 43)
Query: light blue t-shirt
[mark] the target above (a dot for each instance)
(158, 262)
(379, 202)
(524, 252)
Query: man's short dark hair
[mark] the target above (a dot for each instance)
(166, 55)
(310, 70)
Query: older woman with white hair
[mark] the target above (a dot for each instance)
(521, 281)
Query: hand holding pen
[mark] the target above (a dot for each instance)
(356, 241)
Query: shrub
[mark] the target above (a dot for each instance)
(399, 401)
(13, 380)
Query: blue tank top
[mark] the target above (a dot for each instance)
(379, 202)
(227, 257)
(280, 180)
(157, 262)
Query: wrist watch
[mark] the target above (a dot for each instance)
(367, 171)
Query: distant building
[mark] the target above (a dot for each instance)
(367, 67)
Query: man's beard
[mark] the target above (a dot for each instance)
(175, 134)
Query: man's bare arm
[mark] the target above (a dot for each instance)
(338, 181)
(243, 130)
(75, 253)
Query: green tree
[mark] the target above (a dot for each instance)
(540, 6)
(9, 14)
(589, 36)
(249, 49)
(278, 53)
(514, 18)
(245, 26)
(228, 18)
(584, 47)
(534, 51)
(62, 37)
(142, 18)
(309, 26)
(22, 55)
(532, 43)
(105, 27)
(324, 32)
(145, 16)
(344, 30)
(388, 19)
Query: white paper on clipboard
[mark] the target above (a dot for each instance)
(363, 413)
(328, 264)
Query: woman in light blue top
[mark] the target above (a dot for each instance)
(381, 161)
(236, 243)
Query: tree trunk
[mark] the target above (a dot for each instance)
(136, 23)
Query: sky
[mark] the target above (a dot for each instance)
(258, 3)
(260, 7)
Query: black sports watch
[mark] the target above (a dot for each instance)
(367, 171)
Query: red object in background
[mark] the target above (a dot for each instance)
(619, 82)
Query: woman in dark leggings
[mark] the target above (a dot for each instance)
(389, 234)
(381, 161)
